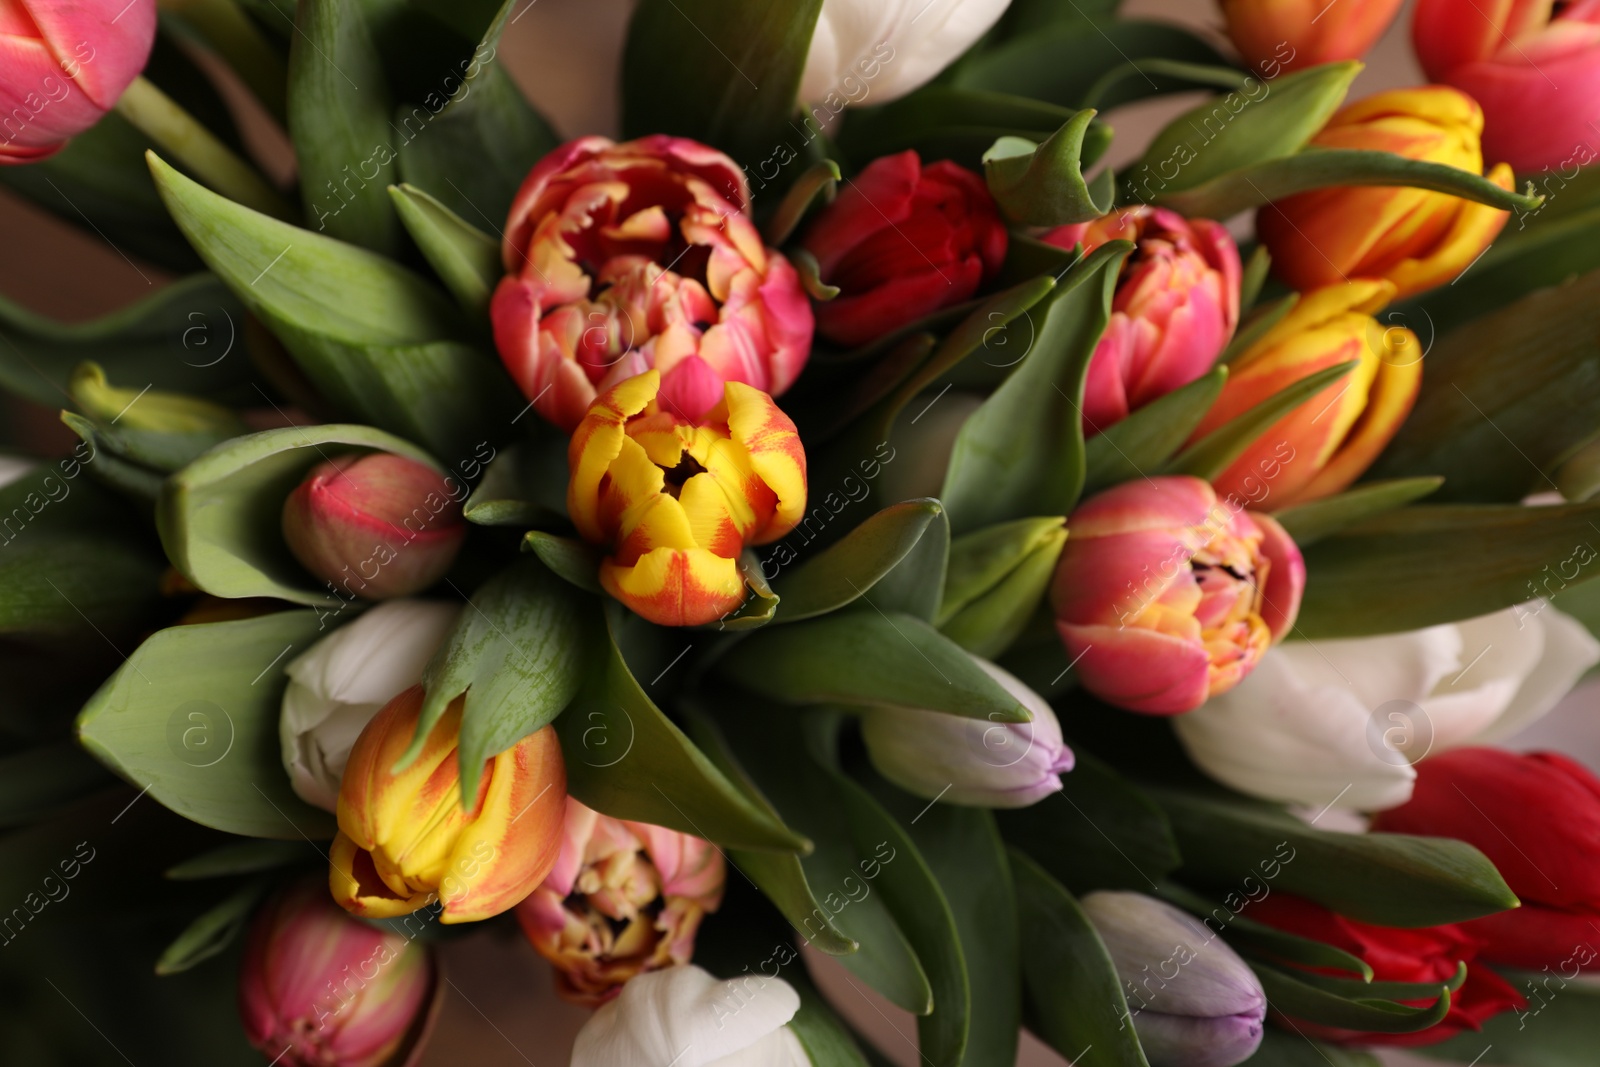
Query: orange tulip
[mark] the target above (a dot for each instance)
(1415, 238)
(676, 502)
(406, 842)
(1283, 35)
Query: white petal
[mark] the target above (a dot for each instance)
(685, 1017)
(878, 50)
(1402, 666)
(780, 1049)
(1569, 651)
(12, 468)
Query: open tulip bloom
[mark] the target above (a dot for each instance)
(821, 510)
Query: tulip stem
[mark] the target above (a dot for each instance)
(198, 150)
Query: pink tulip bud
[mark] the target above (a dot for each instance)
(1165, 595)
(375, 525)
(65, 63)
(320, 989)
(1175, 309)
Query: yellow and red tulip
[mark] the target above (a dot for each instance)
(676, 501)
(1415, 238)
(1283, 35)
(1326, 443)
(406, 842)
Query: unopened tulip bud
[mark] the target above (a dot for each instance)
(1194, 1002)
(376, 525)
(1281, 35)
(971, 761)
(320, 989)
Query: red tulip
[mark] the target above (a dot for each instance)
(1537, 818)
(1427, 954)
(1175, 309)
(63, 64)
(624, 257)
(1533, 65)
(902, 241)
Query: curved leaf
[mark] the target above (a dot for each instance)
(1148, 437)
(1311, 522)
(1211, 455)
(466, 259)
(212, 932)
(576, 561)
(844, 571)
(1043, 184)
(996, 581)
(821, 181)
(1558, 1029)
(915, 585)
(1301, 1000)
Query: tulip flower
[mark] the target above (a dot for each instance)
(1537, 818)
(1431, 954)
(1341, 722)
(66, 64)
(1175, 309)
(1165, 596)
(320, 989)
(624, 257)
(1275, 36)
(1326, 443)
(405, 839)
(1534, 66)
(971, 761)
(675, 502)
(624, 899)
(377, 525)
(338, 684)
(1415, 238)
(902, 241)
(1194, 1002)
(883, 49)
(687, 1018)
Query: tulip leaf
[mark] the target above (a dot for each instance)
(1073, 994)
(844, 571)
(734, 69)
(1286, 1048)
(525, 484)
(915, 585)
(1028, 257)
(820, 181)
(1404, 570)
(945, 122)
(1212, 454)
(1254, 938)
(810, 271)
(760, 603)
(1148, 437)
(626, 759)
(193, 717)
(1022, 453)
(221, 517)
(1298, 999)
(1386, 879)
(1179, 73)
(825, 1037)
(377, 340)
(1559, 1028)
(575, 561)
(864, 656)
(162, 430)
(114, 466)
(1257, 326)
(240, 857)
(1310, 522)
(213, 931)
(38, 781)
(996, 580)
(1043, 184)
(466, 259)
(1256, 270)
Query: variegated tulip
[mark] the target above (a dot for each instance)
(1165, 595)
(405, 839)
(1326, 443)
(624, 898)
(675, 502)
(1275, 36)
(1415, 238)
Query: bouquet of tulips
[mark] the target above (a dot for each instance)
(840, 517)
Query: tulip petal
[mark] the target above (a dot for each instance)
(1138, 669)
(775, 453)
(676, 587)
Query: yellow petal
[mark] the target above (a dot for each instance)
(775, 453)
(676, 587)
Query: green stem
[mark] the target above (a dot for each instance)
(224, 26)
(198, 151)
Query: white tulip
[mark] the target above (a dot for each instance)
(1340, 722)
(879, 50)
(338, 684)
(12, 468)
(685, 1017)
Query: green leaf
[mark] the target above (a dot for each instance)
(1211, 455)
(824, 1036)
(866, 657)
(1254, 938)
(338, 110)
(39, 781)
(1311, 522)
(1074, 996)
(844, 571)
(212, 932)
(115, 466)
(241, 857)
(626, 759)
(1257, 326)
(578, 562)
(1301, 1000)
(1256, 269)
(221, 517)
(466, 259)
(1177, 72)
(1559, 1028)
(517, 652)
(1043, 184)
(1148, 437)
(946, 122)
(734, 70)
(996, 581)
(1282, 1048)
(525, 485)
(1022, 453)
(376, 339)
(154, 428)
(193, 717)
(1387, 879)
(1429, 564)
(820, 181)
(915, 585)
(810, 271)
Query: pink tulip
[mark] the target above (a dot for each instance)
(63, 64)
(623, 898)
(1165, 595)
(624, 257)
(320, 989)
(1175, 309)
(1533, 66)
